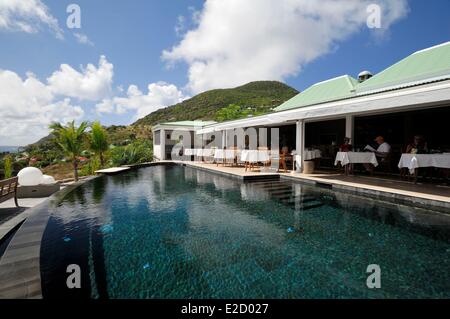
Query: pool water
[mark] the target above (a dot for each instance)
(178, 232)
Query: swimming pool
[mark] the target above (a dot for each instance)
(177, 232)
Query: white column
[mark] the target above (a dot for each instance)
(224, 138)
(163, 144)
(349, 124)
(300, 141)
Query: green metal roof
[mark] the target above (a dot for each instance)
(333, 89)
(189, 123)
(419, 68)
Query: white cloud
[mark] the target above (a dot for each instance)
(83, 39)
(27, 107)
(237, 41)
(92, 83)
(159, 95)
(105, 106)
(27, 16)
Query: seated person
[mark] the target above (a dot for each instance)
(382, 150)
(346, 147)
(418, 146)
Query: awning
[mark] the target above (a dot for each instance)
(205, 130)
(406, 99)
(263, 120)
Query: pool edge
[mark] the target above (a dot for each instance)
(20, 274)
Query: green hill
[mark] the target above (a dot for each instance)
(261, 96)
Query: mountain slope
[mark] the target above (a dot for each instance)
(263, 95)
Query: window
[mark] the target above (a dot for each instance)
(158, 138)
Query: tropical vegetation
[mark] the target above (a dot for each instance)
(98, 141)
(7, 166)
(139, 151)
(70, 139)
(234, 112)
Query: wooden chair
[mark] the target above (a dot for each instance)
(385, 163)
(285, 157)
(8, 189)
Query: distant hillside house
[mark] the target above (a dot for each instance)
(411, 97)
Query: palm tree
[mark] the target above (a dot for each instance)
(99, 141)
(70, 139)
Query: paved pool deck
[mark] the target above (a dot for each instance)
(11, 216)
(20, 264)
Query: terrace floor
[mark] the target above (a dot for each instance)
(381, 187)
(11, 216)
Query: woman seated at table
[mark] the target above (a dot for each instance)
(346, 147)
(418, 146)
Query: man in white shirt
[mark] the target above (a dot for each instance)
(382, 151)
(383, 148)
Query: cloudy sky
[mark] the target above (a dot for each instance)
(129, 58)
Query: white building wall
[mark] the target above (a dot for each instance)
(157, 151)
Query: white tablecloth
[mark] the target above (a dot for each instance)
(254, 156)
(413, 161)
(207, 152)
(224, 154)
(310, 155)
(356, 157)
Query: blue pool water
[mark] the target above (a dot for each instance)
(176, 232)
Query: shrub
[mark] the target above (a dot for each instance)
(90, 167)
(8, 166)
(139, 151)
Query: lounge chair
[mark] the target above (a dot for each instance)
(8, 189)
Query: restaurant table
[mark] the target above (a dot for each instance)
(249, 157)
(254, 156)
(308, 155)
(199, 152)
(414, 161)
(205, 152)
(224, 155)
(346, 158)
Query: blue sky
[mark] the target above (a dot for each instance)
(148, 64)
